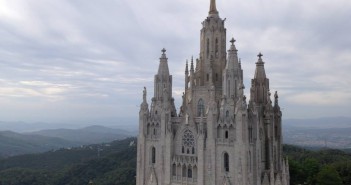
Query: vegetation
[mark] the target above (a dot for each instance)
(104, 164)
(323, 167)
(115, 163)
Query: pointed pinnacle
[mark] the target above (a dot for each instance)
(192, 64)
(213, 9)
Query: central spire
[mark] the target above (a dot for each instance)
(213, 9)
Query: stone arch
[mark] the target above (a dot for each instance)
(195, 172)
(190, 172)
(174, 169)
(184, 170)
(219, 131)
(148, 129)
(179, 170)
(232, 131)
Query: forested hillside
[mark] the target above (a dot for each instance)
(112, 163)
(323, 167)
(115, 163)
(12, 143)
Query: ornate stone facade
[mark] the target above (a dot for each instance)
(216, 138)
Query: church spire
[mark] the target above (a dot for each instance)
(163, 67)
(163, 80)
(213, 9)
(260, 72)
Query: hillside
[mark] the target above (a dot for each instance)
(116, 164)
(12, 143)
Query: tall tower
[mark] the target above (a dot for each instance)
(216, 138)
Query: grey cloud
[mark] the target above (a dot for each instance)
(107, 51)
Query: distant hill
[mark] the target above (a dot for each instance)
(105, 164)
(322, 132)
(327, 122)
(116, 164)
(12, 143)
(88, 135)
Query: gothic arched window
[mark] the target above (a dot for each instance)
(208, 47)
(188, 142)
(226, 162)
(200, 107)
(216, 48)
(174, 170)
(184, 171)
(250, 134)
(190, 172)
(226, 134)
(153, 155)
(148, 129)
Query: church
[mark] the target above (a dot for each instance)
(217, 137)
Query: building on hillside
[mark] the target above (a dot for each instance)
(217, 137)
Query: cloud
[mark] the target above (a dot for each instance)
(93, 59)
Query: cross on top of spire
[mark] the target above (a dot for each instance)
(232, 41)
(260, 55)
(163, 51)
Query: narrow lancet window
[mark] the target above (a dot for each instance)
(190, 173)
(153, 158)
(200, 107)
(216, 49)
(226, 162)
(208, 47)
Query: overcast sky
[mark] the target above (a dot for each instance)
(88, 60)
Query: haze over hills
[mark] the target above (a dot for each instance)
(23, 126)
(88, 135)
(12, 143)
(332, 132)
(327, 122)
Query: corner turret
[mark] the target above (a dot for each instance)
(260, 84)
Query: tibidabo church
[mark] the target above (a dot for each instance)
(218, 137)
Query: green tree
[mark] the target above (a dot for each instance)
(311, 169)
(328, 176)
(344, 169)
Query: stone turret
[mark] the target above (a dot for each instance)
(163, 81)
(232, 81)
(260, 84)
